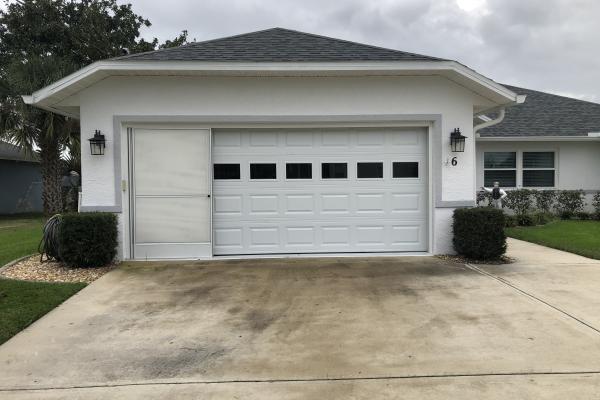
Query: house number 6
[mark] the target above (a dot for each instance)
(454, 162)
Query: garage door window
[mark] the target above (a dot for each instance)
(226, 171)
(298, 171)
(369, 170)
(500, 167)
(334, 170)
(405, 170)
(263, 171)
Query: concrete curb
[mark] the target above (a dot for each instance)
(13, 262)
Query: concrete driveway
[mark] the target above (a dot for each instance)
(414, 327)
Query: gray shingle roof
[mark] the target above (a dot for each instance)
(545, 114)
(15, 153)
(277, 45)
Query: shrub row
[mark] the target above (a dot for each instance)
(564, 203)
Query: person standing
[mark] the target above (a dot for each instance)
(498, 194)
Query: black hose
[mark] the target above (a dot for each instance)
(49, 243)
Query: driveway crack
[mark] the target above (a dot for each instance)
(532, 296)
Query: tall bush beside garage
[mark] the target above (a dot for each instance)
(479, 233)
(88, 239)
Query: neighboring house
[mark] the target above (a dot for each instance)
(549, 142)
(277, 142)
(20, 181)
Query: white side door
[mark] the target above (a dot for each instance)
(171, 202)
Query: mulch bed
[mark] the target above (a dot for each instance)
(464, 260)
(32, 269)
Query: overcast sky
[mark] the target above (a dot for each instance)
(548, 45)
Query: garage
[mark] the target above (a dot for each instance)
(343, 190)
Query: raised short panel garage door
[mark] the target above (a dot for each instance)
(319, 190)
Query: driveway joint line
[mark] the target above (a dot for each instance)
(523, 292)
(306, 380)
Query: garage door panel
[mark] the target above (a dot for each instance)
(299, 204)
(158, 173)
(227, 205)
(300, 236)
(407, 202)
(322, 215)
(264, 204)
(370, 203)
(264, 237)
(335, 203)
(402, 234)
(172, 220)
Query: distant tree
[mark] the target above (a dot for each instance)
(41, 41)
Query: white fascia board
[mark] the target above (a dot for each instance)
(107, 68)
(538, 139)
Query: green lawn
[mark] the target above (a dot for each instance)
(19, 236)
(579, 237)
(21, 303)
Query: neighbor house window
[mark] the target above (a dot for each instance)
(334, 170)
(369, 170)
(538, 169)
(226, 171)
(500, 166)
(263, 171)
(298, 171)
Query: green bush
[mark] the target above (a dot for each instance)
(542, 218)
(544, 200)
(569, 202)
(596, 205)
(510, 221)
(519, 200)
(582, 215)
(479, 233)
(526, 220)
(88, 239)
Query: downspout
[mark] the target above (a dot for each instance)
(491, 122)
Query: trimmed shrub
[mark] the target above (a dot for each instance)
(569, 202)
(544, 200)
(542, 218)
(519, 200)
(88, 239)
(510, 221)
(596, 205)
(526, 220)
(479, 233)
(582, 215)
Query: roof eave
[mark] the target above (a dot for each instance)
(48, 96)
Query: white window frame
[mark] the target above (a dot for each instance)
(523, 169)
(519, 167)
(516, 167)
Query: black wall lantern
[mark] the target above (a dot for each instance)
(457, 141)
(97, 144)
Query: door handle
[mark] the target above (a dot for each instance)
(208, 195)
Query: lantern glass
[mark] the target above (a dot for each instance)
(97, 144)
(457, 141)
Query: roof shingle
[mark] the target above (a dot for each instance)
(277, 45)
(545, 114)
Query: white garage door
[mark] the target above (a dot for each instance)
(170, 193)
(319, 190)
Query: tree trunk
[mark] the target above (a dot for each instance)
(51, 176)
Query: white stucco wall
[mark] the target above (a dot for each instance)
(577, 166)
(209, 96)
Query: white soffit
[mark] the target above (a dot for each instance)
(50, 96)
